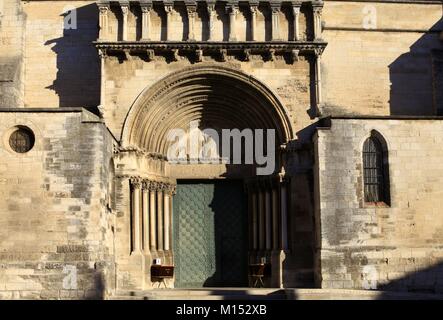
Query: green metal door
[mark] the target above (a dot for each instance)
(210, 234)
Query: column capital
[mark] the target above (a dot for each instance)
(124, 6)
(103, 7)
(210, 5)
(296, 7)
(168, 7)
(232, 8)
(136, 182)
(146, 6)
(317, 6)
(191, 5)
(275, 7)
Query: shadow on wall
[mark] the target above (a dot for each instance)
(411, 76)
(78, 77)
(424, 281)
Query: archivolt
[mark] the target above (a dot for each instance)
(219, 97)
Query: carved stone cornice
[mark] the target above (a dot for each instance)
(221, 49)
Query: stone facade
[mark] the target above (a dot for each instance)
(381, 247)
(56, 219)
(100, 84)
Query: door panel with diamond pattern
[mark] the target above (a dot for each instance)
(210, 234)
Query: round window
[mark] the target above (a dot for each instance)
(21, 140)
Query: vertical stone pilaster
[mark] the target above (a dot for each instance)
(124, 6)
(253, 8)
(152, 218)
(284, 215)
(146, 8)
(232, 10)
(191, 8)
(296, 14)
(254, 220)
(160, 226)
(261, 219)
(268, 219)
(145, 218)
(275, 218)
(103, 20)
(316, 12)
(211, 17)
(275, 11)
(317, 75)
(166, 221)
(168, 9)
(102, 55)
(135, 214)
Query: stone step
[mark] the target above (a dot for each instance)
(269, 294)
(203, 294)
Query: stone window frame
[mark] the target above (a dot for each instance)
(385, 197)
(9, 130)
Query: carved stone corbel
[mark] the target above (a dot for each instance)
(246, 54)
(198, 55)
(150, 54)
(223, 55)
(271, 55)
(294, 55)
(175, 55)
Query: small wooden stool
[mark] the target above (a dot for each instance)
(159, 273)
(256, 274)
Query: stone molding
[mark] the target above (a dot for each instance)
(156, 100)
(196, 50)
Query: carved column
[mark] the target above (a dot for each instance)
(125, 11)
(135, 214)
(316, 11)
(160, 225)
(211, 17)
(167, 194)
(296, 15)
(168, 10)
(284, 214)
(317, 75)
(232, 9)
(102, 55)
(152, 217)
(261, 219)
(145, 217)
(254, 8)
(146, 8)
(191, 8)
(268, 219)
(254, 220)
(103, 20)
(275, 9)
(275, 218)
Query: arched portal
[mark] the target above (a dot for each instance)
(215, 95)
(217, 98)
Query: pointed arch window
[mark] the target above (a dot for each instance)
(376, 170)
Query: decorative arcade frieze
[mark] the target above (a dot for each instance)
(221, 42)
